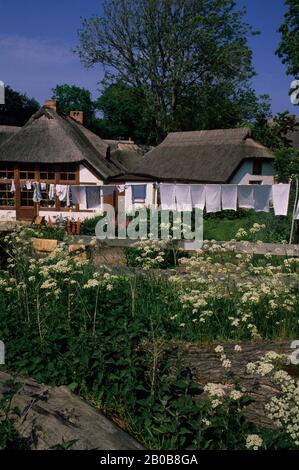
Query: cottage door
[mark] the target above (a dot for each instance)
(26, 209)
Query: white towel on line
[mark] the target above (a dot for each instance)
(167, 193)
(183, 197)
(213, 197)
(262, 193)
(13, 186)
(61, 191)
(229, 193)
(246, 196)
(281, 194)
(198, 196)
(52, 192)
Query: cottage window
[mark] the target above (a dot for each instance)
(7, 198)
(46, 202)
(257, 167)
(47, 173)
(27, 172)
(27, 197)
(7, 171)
(68, 172)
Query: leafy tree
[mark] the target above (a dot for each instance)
(288, 49)
(274, 133)
(183, 57)
(74, 98)
(286, 164)
(18, 108)
(124, 114)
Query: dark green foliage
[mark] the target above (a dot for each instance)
(124, 114)
(18, 108)
(274, 133)
(288, 49)
(74, 98)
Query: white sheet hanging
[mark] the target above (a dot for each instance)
(167, 193)
(52, 192)
(183, 197)
(262, 194)
(13, 186)
(281, 194)
(246, 196)
(61, 191)
(198, 196)
(229, 194)
(213, 197)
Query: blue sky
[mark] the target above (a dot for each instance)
(36, 37)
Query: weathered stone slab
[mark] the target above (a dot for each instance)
(51, 416)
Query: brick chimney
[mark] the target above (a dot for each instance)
(51, 104)
(77, 116)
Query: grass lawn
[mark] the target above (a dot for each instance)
(224, 227)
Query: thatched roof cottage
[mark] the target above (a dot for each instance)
(57, 150)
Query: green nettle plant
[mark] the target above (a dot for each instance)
(110, 337)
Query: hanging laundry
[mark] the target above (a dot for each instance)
(37, 197)
(52, 192)
(138, 192)
(167, 194)
(61, 191)
(281, 194)
(213, 197)
(198, 196)
(78, 194)
(183, 197)
(28, 185)
(262, 194)
(246, 196)
(43, 186)
(13, 186)
(229, 195)
(68, 198)
(93, 197)
(121, 188)
(297, 212)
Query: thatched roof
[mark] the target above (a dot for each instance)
(201, 156)
(127, 155)
(50, 138)
(7, 131)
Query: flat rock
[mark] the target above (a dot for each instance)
(52, 416)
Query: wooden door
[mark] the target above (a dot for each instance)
(26, 209)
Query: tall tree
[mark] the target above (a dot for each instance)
(124, 114)
(275, 133)
(74, 98)
(288, 49)
(176, 52)
(18, 108)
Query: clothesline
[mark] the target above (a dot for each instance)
(217, 197)
(180, 197)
